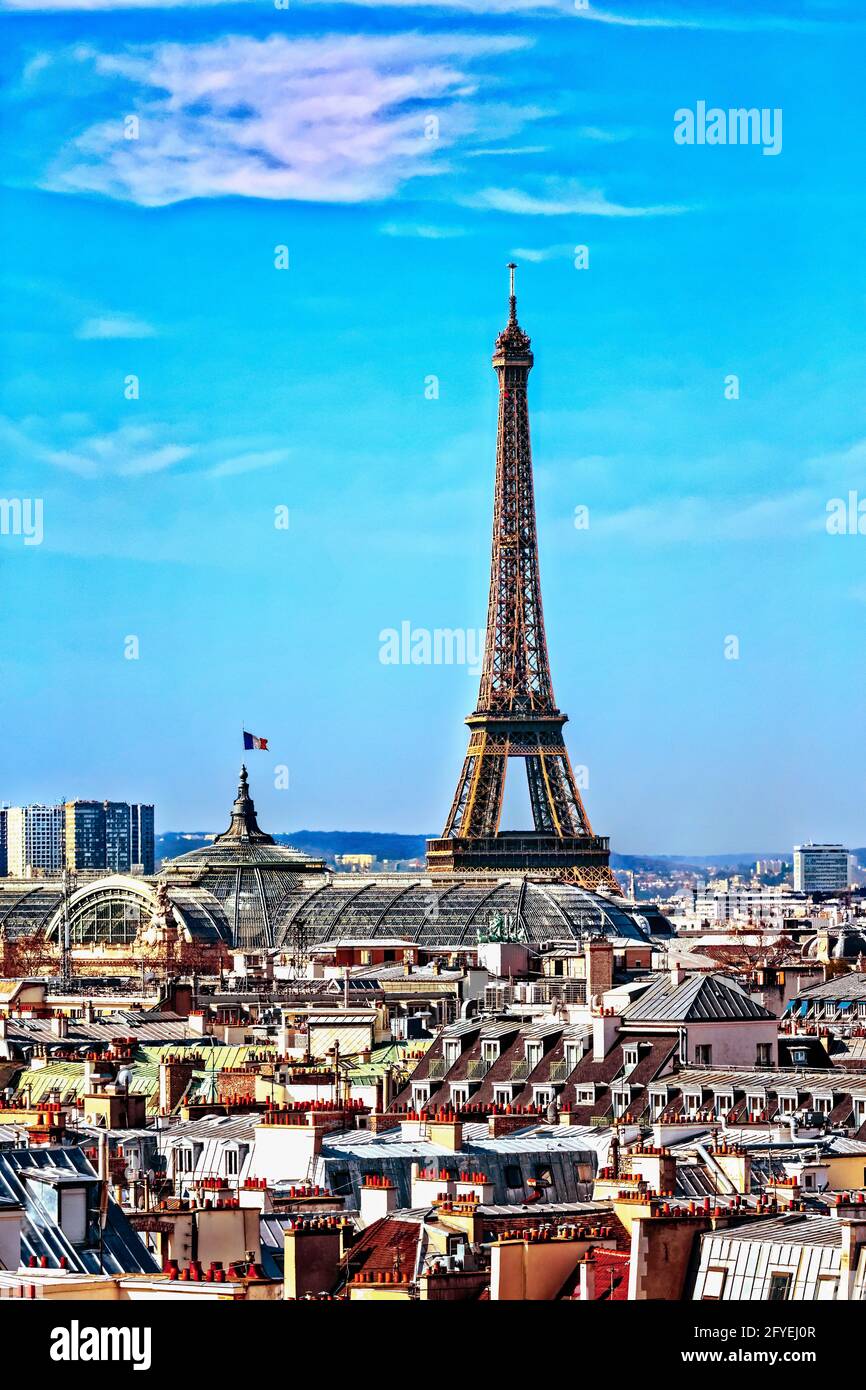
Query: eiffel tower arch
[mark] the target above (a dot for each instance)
(516, 716)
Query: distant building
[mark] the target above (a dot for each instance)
(35, 840)
(85, 834)
(355, 862)
(820, 868)
(118, 836)
(141, 838)
(769, 867)
(741, 904)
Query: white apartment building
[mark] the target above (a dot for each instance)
(743, 904)
(35, 840)
(820, 868)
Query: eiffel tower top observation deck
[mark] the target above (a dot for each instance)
(516, 715)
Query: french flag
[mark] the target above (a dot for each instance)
(250, 741)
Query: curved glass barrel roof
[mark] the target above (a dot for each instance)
(449, 912)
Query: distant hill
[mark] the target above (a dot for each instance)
(323, 843)
(328, 843)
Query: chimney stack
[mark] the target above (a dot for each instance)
(378, 1198)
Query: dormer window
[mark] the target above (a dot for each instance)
(724, 1102)
(621, 1101)
(658, 1101)
(631, 1055)
(231, 1163)
(573, 1054)
(420, 1094)
(65, 1201)
(787, 1104)
(692, 1101)
(490, 1052)
(533, 1053)
(452, 1053)
(585, 1095)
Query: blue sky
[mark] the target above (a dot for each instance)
(305, 388)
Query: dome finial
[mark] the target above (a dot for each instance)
(243, 825)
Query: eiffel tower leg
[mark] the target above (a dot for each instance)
(461, 796)
(539, 798)
(567, 806)
(477, 804)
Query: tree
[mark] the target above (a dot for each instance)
(32, 953)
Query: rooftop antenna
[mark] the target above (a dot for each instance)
(512, 299)
(65, 948)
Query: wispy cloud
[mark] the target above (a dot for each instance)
(509, 150)
(248, 463)
(560, 201)
(426, 231)
(675, 18)
(63, 5)
(729, 22)
(115, 326)
(847, 465)
(341, 119)
(701, 520)
(128, 452)
(536, 254)
(73, 444)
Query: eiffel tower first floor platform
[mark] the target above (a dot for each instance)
(580, 859)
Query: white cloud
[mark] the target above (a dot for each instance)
(425, 231)
(565, 9)
(115, 326)
(72, 443)
(725, 23)
(571, 200)
(543, 253)
(128, 452)
(848, 465)
(63, 5)
(509, 150)
(334, 119)
(695, 520)
(248, 463)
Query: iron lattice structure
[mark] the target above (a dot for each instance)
(516, 715)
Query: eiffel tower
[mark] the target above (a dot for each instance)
(516, 715)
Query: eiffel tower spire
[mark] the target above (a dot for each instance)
(516, 715)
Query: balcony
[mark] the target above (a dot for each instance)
(436, 1069)
(478, 1069)
(559, 1071)
(520, 1070)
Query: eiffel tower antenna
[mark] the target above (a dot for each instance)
(516, 715)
